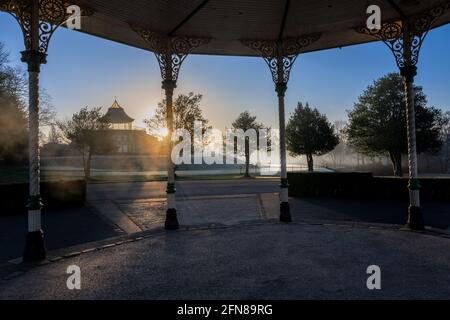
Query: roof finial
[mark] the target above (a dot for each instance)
(115, 105)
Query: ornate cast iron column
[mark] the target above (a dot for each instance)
(280, 57)
(404, 39)
(170, 53)
(38, 20)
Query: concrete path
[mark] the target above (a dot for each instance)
(252, 261)
(372, 211)
(133, 207)
(143, 214)
(110, 211)
(194, 211)
(157, 189)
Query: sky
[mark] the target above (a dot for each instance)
(84, 70)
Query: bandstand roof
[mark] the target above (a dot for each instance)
(226, 22)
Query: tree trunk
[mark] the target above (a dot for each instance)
(247, 158)
(87, 166)
(310, 160)
(247, 165)
(396, 159)
(448, 153)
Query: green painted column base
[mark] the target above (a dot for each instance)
(415, 219)
(34, 247)
(171, 220)
(34, 203)
(414, 184)
(285, 212)
(171, 188)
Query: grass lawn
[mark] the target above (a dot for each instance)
(19, 174)
(144, 178)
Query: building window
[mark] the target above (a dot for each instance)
(121, 126)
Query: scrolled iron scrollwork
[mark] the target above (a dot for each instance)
(287, 50)
(293, 46)
(155, 41)
(52, 14)
(53, 11)
(170, 51)
(392, 34)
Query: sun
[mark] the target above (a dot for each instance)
(162, 132)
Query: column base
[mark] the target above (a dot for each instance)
(415, 218)
(285, 212)
(34, 247)
(171, 220)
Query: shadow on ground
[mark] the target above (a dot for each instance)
(435, 214)
(62, 229)
(261, 261)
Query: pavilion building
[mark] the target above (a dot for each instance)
(129, 140)
(118, 118)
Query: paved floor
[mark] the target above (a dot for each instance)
(372, 211)
(194, 211)
(260, 261)
(79, 225)
(230, 209)
(246, 254)
(133, 211)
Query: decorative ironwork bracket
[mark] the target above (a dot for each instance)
(281, 55)
(170, 51)
(52, 14)
(393, 34)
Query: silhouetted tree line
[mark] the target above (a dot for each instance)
(13, 112)
(13, 118)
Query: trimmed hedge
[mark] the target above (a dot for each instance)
(55, 195)
(363, 185)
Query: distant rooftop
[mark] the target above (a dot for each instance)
(116, 114)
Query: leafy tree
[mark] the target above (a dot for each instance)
(84, 131)
(377, 123)
(309, 133)
(245, 121)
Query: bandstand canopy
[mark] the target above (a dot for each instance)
(226, 22)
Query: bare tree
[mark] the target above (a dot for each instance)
(245, 121)
(83, 131)
(446, 142)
